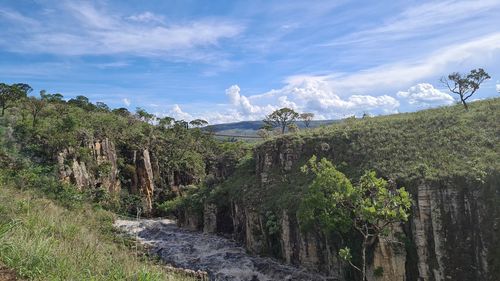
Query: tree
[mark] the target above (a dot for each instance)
(281, 118)
(35, 107)
(9, 94)
(293, 128)
(100, 106)
(197, 123)
(334, 205)
(306, 117)
(143, 115)
(263, 133)
(166, 122)
(122, 111)
(51, 98)
(465, 85)
(82, 102)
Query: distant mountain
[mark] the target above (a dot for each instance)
(250, 128)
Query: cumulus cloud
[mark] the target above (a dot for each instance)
(177, 113)
(425, 94)
(498, 88)
(303, 95)
(243, 104)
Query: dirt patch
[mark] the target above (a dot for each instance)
(7, 274)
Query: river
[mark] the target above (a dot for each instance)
(222, 258)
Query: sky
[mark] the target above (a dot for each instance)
(227, 61)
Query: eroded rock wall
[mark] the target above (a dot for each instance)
(452, 233)
(144, 180)
(104, 172)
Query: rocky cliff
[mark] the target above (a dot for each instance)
(452, 234)
(143, 180)
(100, 170)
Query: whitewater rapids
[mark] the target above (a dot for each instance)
(222, 258)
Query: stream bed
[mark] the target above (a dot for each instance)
(222, 258)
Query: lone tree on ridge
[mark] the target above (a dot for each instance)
(465, 85)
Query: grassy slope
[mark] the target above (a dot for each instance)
(44, 241)
(428, 145)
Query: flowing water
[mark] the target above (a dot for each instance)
(223, 259)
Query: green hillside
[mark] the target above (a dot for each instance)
(435, 144)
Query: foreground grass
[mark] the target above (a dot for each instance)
(44, 241)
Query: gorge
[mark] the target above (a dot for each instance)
(249, 195)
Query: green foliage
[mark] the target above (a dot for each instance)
(378, 272)
(465, 85)
(333, 204)
(46, 126)
(345, 254)
(272, 223)
(10, 94)
(104, 169)
(281, 118)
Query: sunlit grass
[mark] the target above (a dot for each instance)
(44, 241)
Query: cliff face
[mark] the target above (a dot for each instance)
(143, 181)
(104, 171)
(452, 234)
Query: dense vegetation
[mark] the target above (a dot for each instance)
(50, 231)
(332, 204)
(182, 154)
(430, 145)
(436, 145)
(443, 147)
(73, 238)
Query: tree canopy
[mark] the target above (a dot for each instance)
(281, 118)
(306, 117)
(465, 85)
(333, 204)
(9, 94)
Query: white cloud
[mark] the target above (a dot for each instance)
(422, 18)
(177, 113)
(476, 51)
(498, 87)
(425, 94)
(242, 103)
(306, 95)
(146, 17)
(126, 101)
(93, 31)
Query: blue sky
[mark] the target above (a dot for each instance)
(239, 60)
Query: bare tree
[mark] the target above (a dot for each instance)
(306, 117)
(465, 85)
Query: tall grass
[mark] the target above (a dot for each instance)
(42, 240)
